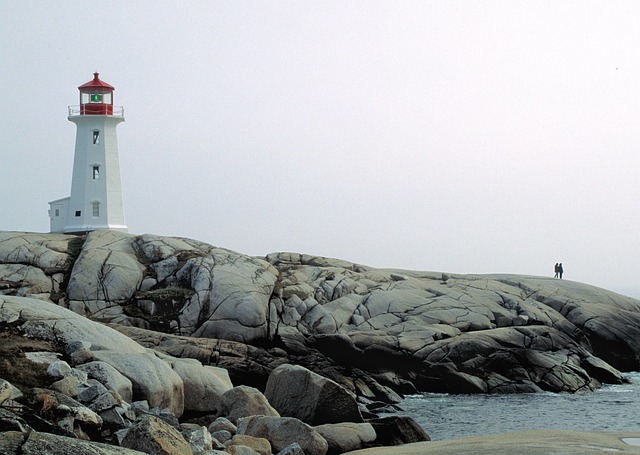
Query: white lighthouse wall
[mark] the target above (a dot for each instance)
(96, 176)
(114, 207)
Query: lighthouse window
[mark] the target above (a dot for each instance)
(96, 209)
(96, 172)
(96, 136)
(57, 212)
(96, 97)
(78, 212)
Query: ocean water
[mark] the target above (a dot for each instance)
(447, 416)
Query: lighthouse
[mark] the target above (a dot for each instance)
(96, 191)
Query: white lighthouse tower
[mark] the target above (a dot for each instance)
(96, 191)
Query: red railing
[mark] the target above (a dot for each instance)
(96, 109)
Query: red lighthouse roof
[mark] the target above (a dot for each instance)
(96, 83)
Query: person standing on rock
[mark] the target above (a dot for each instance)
(560, 270)
(555, 269)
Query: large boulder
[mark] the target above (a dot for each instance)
(153, 379)
(152, 435)
(6, 391)
(397, 430)
(204, 386)
(346, 436)
(283, 431)
(105, 275)
(108, 376)
(243, 401)
(259, 445)
(297, 392)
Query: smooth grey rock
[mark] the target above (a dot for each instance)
(109, 377)
(203, 386)
(222, 423)
(243, 401)
(153, 436)
(59, 369)
(297, 392)
(48, 252)
(258, 445)
(283, 431)
(69, 385)
(6, 391)
(152, 379)
(346, 436)
(229, 291)
(106, 272)
(221, 436)
(25, 280)
(397, 430)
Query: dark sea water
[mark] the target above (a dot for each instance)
(444, 416)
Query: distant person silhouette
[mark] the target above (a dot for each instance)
(560, 270)
(555, 269)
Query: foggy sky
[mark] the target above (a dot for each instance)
(454, 136)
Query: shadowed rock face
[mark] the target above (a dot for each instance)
(370, 330)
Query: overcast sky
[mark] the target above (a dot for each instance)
(455, 136)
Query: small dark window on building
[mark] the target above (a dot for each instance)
(96, 136)
(96, 172)
(78, 212)
(96, 209)
(57, 212)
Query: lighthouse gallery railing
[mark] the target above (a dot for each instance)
(118, 111)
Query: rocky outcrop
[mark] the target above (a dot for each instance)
(373, 331)
(297, 392)
(107, 398)
(129, 326)
(152, 379)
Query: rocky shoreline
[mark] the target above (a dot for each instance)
(162, 337)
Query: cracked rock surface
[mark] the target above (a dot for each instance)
(374, 331)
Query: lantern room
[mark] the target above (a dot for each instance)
(96, 97)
